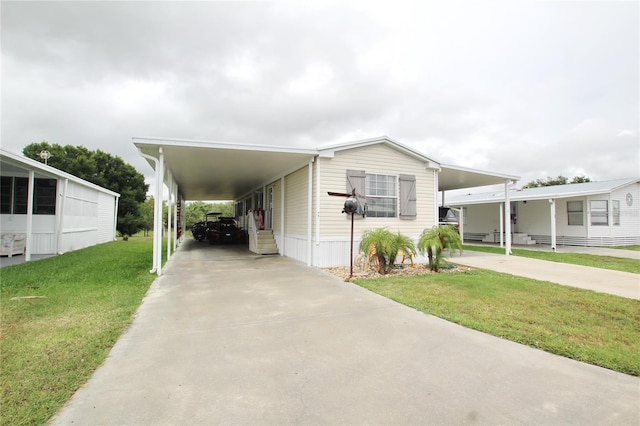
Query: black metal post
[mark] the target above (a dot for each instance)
(351, 251)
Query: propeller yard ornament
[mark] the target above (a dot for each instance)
(351, 206)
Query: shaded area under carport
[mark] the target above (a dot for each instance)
(229, 337)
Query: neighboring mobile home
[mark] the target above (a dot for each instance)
(53, 211)
(581, 214)
(287, 190)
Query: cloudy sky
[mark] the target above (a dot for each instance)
(529, 88)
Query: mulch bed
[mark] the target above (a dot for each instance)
(403, 271)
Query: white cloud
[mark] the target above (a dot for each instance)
(528, 88)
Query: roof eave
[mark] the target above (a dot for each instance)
(330, 150)
(51, 171)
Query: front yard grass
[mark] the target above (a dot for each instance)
(70, 311)
(592, 327)
(584, 259)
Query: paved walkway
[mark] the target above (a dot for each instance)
(227, 337)
(619, 283)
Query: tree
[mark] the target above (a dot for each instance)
(560, 180)
(103, 169)
(146, 211)
(386, 246)
(225, 208)
(437, 239)
(196, 211)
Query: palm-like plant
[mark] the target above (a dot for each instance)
(437, 239)
(386, 246)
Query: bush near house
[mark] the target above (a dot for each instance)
(385, 246)
(437, 239)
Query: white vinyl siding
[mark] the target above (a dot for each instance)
(615, 212)
(296, 202)
(374, 159)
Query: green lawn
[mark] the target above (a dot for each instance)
(596, 328)
(634, 248)
(584, 259)
(51, 345)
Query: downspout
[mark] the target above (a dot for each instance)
(157, 212)
(29, 239)
(309, 212)
(61, 216)
(552, 208)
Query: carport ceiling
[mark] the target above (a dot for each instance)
(222, 171)
(455, 177)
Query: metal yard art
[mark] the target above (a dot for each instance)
(352, 206)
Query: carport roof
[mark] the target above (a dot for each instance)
(543, 193)
(206, 170)
(222, 170)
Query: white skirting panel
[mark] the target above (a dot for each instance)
(588, 242)
(78, 239)
(294, 247)
(43, 243)
(334, 253)
(327, 254)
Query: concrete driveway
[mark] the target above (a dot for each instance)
(618, 283)
(227, 337)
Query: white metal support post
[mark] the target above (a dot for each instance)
(507, 217)
(157, 231)
(552, 208)
(60, 218)
(170, 223)
(175, 216)
(115, 217)
(317, 201)
(309, 212)
(157, 211)
(282, 218)
(501, 212)
(29, 238)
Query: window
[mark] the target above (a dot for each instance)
(615, 207)
(383, 190)
(15, 191)
(20, 193)
(599, 213)
(44, 197)
(575, 213)
(6, 190)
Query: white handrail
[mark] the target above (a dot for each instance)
(253, 232)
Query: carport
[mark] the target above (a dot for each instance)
(204, 170)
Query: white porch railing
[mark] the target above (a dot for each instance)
(253, 232)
